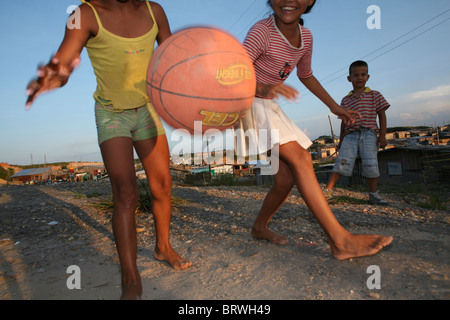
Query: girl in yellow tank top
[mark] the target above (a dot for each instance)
(120, 49)
(124, 85)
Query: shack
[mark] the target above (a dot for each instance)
(33, 175)
(429, 163)
(418, 163)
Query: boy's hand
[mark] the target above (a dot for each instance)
(51, 76)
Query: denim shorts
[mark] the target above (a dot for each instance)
(138, 124)
(363, 142)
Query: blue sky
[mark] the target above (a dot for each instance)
(408, 59)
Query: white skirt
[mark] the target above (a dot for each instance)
(264, 127)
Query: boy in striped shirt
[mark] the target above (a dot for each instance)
(364, 136)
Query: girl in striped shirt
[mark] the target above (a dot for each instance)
(277, 45)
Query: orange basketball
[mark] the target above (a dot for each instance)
(201, 74)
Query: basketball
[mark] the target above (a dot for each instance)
(201, 74)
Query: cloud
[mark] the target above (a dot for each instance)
(421, 107)
(440, 91)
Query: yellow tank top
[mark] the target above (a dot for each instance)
(120, 65)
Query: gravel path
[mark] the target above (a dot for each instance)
(46, 229)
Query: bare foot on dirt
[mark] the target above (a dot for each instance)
(131, 292)
(172, 258)
(267, 234)
(359, 246)
(131, 289)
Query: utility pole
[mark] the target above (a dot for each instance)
(331, 127)
(437, 133)
(332, 137)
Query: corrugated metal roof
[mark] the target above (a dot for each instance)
(31, 172)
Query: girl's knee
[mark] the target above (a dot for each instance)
(161, 187)
(126, 198)
(284, 179)
(305, 155)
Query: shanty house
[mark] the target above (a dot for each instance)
(414, 164)
(35, 174)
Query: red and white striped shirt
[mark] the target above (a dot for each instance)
(273, 56)
(368, 104)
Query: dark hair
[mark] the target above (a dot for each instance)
(357, 63)
(308, 9)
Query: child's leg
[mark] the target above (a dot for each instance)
(118, 158)
(369, 158)
(373, 184)
(154, 154)
(368, 148)
(343, 244)
(333, 180)
(345, 160)
(282, 186)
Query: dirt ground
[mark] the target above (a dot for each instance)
(45, 229)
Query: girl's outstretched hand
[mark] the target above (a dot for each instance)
(348, 116)
(277, 91)
(51, 76)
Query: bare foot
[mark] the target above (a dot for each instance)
(267, 234)
(172, 258)
(131, 290)
(359, 246)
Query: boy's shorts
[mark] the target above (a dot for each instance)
(138, 124)
(366, 142)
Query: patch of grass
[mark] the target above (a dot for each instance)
(144, 202)
(346, 199)
(434, 202)
(427, 196)
(93, 194)
(104, 204)
(145, 197)
(225, 180)
(80, 195)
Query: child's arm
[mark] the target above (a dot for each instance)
(316, 88)
(275, 91)
(383, 125)
(162, 22)
(57, 71)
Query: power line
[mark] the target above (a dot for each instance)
(234, 23)
(391, 49)
(410, 39)
(251, 23)
(396, 39)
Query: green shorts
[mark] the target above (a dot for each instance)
(138, 124)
